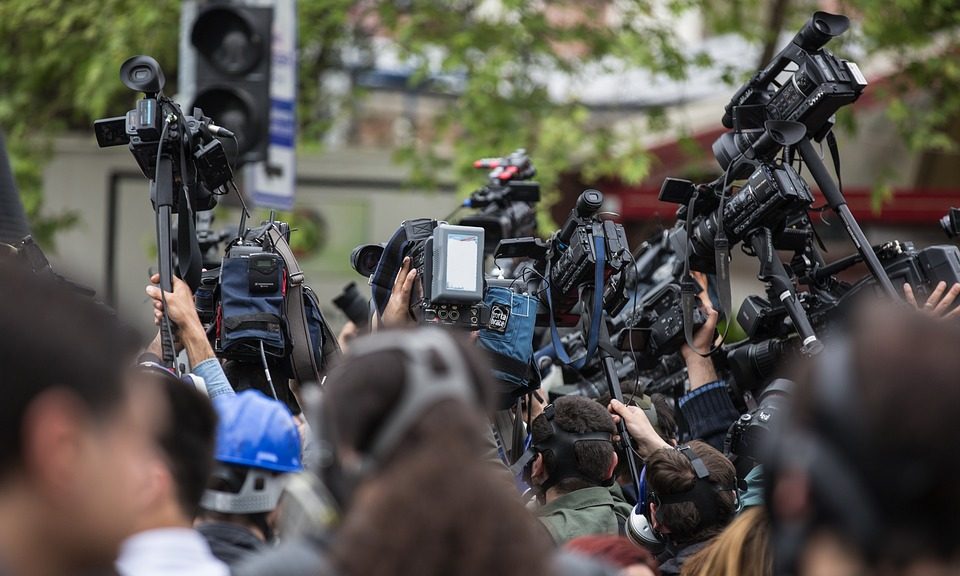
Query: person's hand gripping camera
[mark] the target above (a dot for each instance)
(700, 369)
(182, 311)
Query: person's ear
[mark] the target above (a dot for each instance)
(54, 429)
(538, 473)
(158, 483)
(657, 526)
(273, 519)
(613, 465)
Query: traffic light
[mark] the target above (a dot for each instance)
(233, 50)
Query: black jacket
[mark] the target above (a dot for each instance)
(672, 560)
(229, 542)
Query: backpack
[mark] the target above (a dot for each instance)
(267, 311)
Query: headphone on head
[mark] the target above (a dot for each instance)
(703, 494)
(426, 383)
(561, 445)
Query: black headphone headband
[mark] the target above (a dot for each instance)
(703, 494)
(425, 385)
(561, 444)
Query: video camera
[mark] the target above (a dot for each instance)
(184, 162)
(748, 437)
(761, 111)
(769, 212)
(772, 194)
(449, 263)
(770, 342)
(354, 306)
(506, 201)
(157, 130)
(588, 253)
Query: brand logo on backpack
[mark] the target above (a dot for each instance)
(499, 318)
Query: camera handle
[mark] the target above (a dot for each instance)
(836, 201)
(780, 287)
(161, 190)
(608, 362)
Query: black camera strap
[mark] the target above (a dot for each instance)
(723, 276)
(688, 288)
(835, 155)
(188, 261)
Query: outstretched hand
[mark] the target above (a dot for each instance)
(704, 337)
(939, 302)
(700, 370)
(397, 311)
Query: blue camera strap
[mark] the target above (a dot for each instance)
(593, 336)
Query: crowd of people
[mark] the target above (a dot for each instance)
(111, 463)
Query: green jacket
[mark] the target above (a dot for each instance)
(584, 512)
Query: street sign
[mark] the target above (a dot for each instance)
(272, 184)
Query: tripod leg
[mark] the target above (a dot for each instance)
(774, 273)
(838, 203)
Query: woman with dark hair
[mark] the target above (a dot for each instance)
(403, 430)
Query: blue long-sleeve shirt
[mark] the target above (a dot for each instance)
(708, 412)
(214, 378)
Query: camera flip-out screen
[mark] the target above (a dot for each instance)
(457, 264)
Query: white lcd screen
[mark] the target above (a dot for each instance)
(462, 253)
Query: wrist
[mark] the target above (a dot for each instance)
(650, 445)
(195, 341)
(700, 372)
(155, 347)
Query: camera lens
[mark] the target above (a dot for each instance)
(951, 223)
(365, 258)
(703, 236)
(589, 203)
(142, 74)
(354, 306)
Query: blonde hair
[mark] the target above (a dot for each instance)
(742, 549)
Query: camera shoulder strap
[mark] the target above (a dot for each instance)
(593, 336)
(302, 359)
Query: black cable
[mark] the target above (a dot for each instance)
(266, 371)
(236, 156)
(454, 213)
(245, 213)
